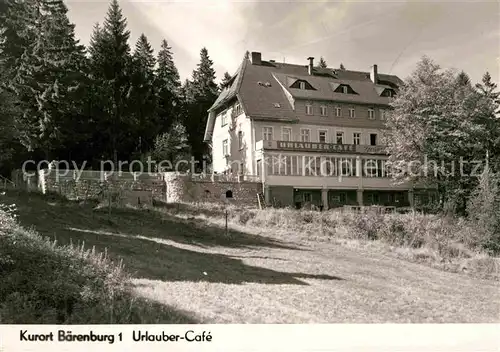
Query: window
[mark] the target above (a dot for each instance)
(309, 109)
(302, 85)
(370, 168)
(340, 138)
(259, 167)
(277, 105)
(240, 140)
(305, 135)
(373, 139)
(322, 136)
(307, 197)
(323, 110)
(312, 166)
(267, 133)
(347, 167)
(352, 113)
(339, 198)
(286, 134)
(382, 114)
(345, 90)
(371, 114)
(373, 198)
(242, 169)
(237, 109)
(225, 149)
(224, 118)
(329, 166)
(338, 111)
(356, 138)
(388, 93)
(288, 167)
(381, 168)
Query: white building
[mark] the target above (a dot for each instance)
(309, 134)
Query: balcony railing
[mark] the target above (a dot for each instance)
(279, 145)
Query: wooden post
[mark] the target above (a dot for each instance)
(109, 204)
(226, 221)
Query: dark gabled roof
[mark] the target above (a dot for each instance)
(259, 87)
(231, 90)
(257, 100)
(324, 89)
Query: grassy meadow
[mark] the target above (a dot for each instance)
(72, 262)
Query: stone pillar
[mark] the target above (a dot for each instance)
(359, 197)
(324, 198)
(358, 167)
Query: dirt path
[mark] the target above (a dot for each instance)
(332, 285)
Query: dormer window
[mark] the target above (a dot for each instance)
(302, 84)
(390, 93)
(344, 89)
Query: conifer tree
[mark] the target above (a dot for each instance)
(225, 80)
(201, 94)
(143, 97)
(168, 88)
(111, 65)
(322, 63)
(42, 63)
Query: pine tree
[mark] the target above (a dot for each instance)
(142, 95)
(64, 58)
(342, 67)
(322, 63)
(201, 94)
(463, 79)
(42, 61)
(111, 73)
(168, 88)
(483, 210)
(225, 80)
(8, 130)
(488, 106)
(172, 146)
(487, 88)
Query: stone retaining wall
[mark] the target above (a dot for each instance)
(185, 189)
(169, 187)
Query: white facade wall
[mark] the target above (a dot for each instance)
(230, 132)
(314, 132)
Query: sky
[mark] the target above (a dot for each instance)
(392, 34)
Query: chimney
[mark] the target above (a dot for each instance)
(256, 58)
(311, 65)
(374, 74)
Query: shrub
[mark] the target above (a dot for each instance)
(484, 211)
(43, 283)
